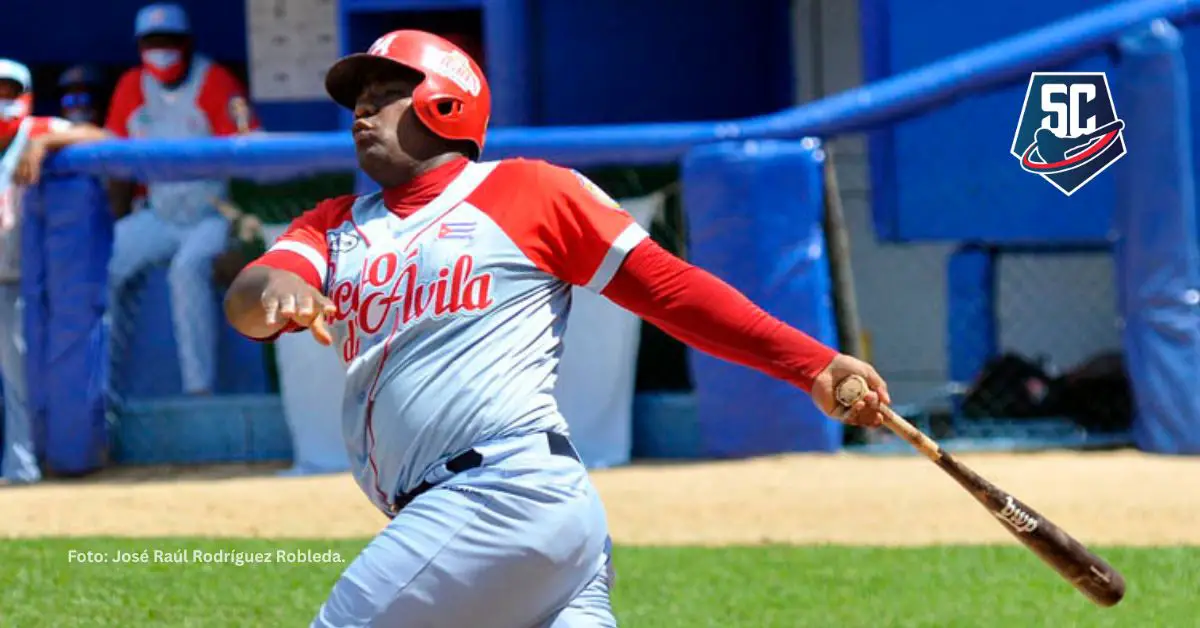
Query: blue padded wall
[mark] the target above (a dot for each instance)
(66, 244)
(754, 214)
(1158, 260)
(66, 235)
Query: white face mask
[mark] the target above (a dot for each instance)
(12, 108)
(162, 58)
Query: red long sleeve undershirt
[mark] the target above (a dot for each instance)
(708, 314)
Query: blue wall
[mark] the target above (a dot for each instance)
(602, 61)
(71, 31)
(956, 179)
(102, 33)
(625, 61)
(588, 61)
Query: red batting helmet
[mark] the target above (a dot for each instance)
(453, 98)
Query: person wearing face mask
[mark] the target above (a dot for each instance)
(25, 140)
(81, 100)
(176, 93)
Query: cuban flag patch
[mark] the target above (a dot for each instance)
(456, 230)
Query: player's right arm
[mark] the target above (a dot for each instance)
(283, 290)
(583, 237)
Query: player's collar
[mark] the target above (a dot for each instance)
(422, 189)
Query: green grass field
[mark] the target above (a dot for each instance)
(42, 583)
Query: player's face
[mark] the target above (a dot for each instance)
(389, 139)
(380, 108)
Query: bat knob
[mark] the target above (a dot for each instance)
(851, 390)
(1105, 586)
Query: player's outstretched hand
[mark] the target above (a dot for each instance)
(288, 297)
(864, 413)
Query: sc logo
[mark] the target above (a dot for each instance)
(1066, 104)
(1068, 131)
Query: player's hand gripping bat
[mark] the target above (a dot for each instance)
(1088, 573)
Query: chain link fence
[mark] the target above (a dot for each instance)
(154, 414)
(1053, 372)
(142, 316)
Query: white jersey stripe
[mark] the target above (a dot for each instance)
(621, 246)
(305, 251)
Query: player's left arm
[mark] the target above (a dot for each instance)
(48, 135)
(224, 101)
(604, 249)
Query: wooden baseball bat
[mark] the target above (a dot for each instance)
(1085, 571)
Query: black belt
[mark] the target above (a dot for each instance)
(559, 446)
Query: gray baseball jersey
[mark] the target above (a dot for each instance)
(450, 320)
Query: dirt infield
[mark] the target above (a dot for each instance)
(1122, 498)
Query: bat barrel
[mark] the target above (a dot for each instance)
(1085, 571)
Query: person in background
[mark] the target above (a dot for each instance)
(175, 93)
(25, 140)
(81, 90)
(83, 99)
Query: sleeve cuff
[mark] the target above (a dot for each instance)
(297, 258)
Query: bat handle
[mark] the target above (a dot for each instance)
(909, 432)
(853, 388)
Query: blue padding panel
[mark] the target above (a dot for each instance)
(36, 315)
(754, 214)
(664, 426)
(151, 368)
(237, 428)
(1158, 263)
(65, 247)
(971, 334)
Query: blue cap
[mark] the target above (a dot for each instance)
(162, 19)
(13, 71)
(80, 75)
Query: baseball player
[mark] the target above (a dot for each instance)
(446, 294)
(176, 93)
(25, 140)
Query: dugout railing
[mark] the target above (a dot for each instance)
(778, 157)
